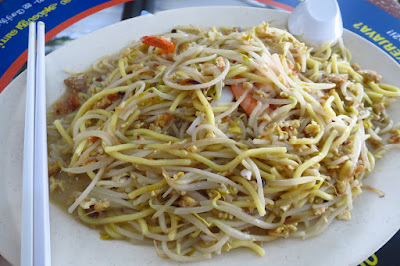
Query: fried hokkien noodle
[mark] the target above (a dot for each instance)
(204, 140)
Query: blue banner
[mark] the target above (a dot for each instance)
(15, 16)
(374, 24)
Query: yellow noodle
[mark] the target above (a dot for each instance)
(63, 133)
(114, 219)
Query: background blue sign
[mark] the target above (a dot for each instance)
(15, 16)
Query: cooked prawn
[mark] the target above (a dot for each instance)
(165, 45)
(249, 103)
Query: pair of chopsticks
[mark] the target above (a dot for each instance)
(35, 233)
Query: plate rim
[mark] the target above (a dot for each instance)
(61, 49)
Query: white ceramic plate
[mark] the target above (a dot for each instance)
(374, 220)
